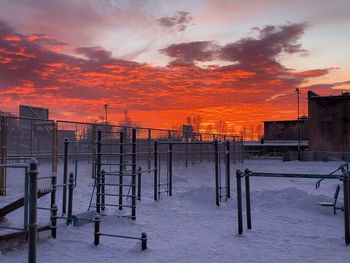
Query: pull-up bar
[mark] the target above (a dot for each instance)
(247, 174)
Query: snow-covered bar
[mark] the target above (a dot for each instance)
(290, 175)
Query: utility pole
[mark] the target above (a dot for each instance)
(106, 111)
(298, 122)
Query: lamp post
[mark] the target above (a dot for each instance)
(298, 122)
(106, 110)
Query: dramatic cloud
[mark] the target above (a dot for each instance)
(188, 53)
(178, 22)
(76, 86)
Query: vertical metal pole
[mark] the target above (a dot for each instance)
(186, 150)
(70, 198)
(234, 150)
(346, 207)
(228, 170)
(65, 177)
(149, 139)
(139, 174)
(93, 148)
(26, 198)
(155, 171)
(97, 231)
(53, 188)
(216, 158)
(54, 148)
(239, 202)
(170, 167)
(298, 123)
(247, 198)
(103, 189)
(33, 193)
(200, 148)
(144, 241)
(133, 178)
(98, 170)
(121, 168)
(53, 220)
(3, 141)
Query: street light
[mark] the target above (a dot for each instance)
(298, 122)
(106, 110)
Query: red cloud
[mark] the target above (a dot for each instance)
(33, 73)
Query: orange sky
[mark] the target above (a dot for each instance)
(242, 82)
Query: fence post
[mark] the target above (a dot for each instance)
(139, 173)
(247, 198)
(98, 171)
(143, 241)
(65, 177)
(121, 168)
(239, 202)
(133, 178)
(53, 220)
(3, 142)
(155, 171)
(216, 158)
(170, 167)
(346, 207)
(97, 231)
(33, 194)
(228, 168)
(70, 197)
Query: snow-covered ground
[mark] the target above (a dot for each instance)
(288, 226)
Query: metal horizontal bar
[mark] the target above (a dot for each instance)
(106, 164)
(117, 174)
(12, 228)
(46, 177)
(115, 205)
(307, 176)
(119, 195)
(127, 185)
(191, 143)
(125, 143)
(120, 236)
(18, 165)
(44, 208)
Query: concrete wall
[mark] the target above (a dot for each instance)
(329, 123)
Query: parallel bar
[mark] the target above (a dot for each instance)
(247, 199)
(121, 168)
(228, 170)
(155, 173)
(65, 177)
(216, 158)
(33, 198)
(133, 178)
(139, 174)
(170, 167)
(70, 197)
(98, 171)
(103, 189)
(346, 207)
(307, 176)
(239, 202)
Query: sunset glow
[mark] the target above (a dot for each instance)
(215, 59)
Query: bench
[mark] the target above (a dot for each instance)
(334, 203)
